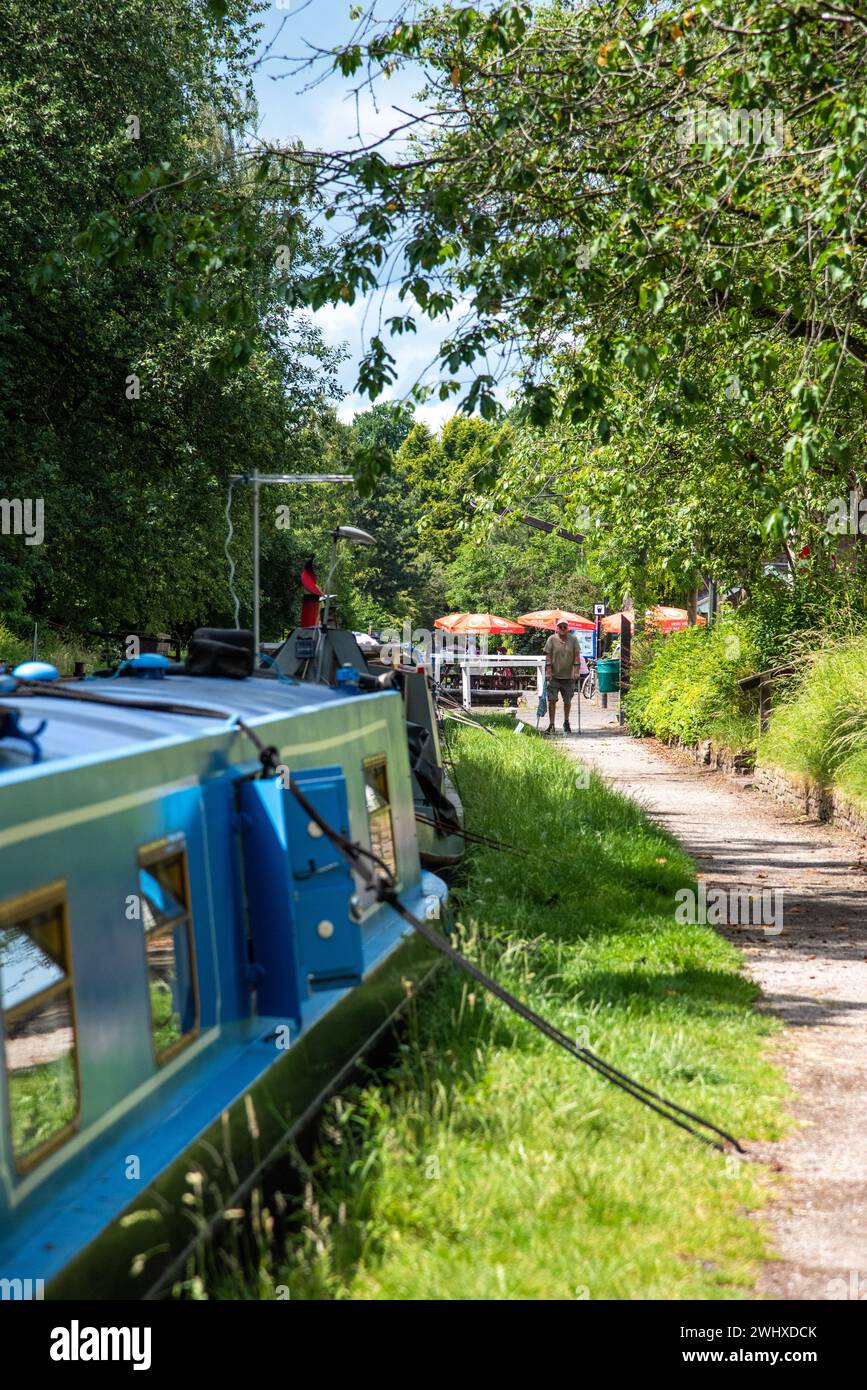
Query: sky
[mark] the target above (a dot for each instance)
(326, 118)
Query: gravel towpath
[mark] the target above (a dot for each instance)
(813, 976)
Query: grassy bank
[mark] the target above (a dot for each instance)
(820, 729)
(488, 1164)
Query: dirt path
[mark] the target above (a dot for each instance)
(813, 976)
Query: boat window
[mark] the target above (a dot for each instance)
(38, 1020)
(379, 810)
(164, 886)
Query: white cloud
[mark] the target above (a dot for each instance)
(436, 415)
(415, 354)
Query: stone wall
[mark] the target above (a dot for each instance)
(739, 761)
(799, 794)
(808, 798)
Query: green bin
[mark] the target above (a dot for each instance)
(609, 677)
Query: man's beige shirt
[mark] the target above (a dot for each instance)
(562, 654)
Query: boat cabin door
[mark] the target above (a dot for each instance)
(299, 889)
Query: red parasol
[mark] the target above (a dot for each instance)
(658, 619)
(484, 622)
(550, 617)
(665, 619)
(611, 623)
(447, 624)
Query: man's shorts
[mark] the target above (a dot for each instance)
(566, 689)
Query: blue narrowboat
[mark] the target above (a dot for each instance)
(187, 964)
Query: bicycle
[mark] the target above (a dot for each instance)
(588, 682)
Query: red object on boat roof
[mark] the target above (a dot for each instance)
(313, 593)
(308, 578)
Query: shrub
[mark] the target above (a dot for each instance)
(12, 649)
(820, 729)
(686, 686)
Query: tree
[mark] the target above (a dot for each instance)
(657, 214)
(395, 581)
(112, 411)
(445, 473)
(517, 572)
(655, 188)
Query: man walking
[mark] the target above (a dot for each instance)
(563, 667)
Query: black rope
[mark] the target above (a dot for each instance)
(458, 713)
(385, 888)
(94, 697)
(473, 837)
(269, 756)
(636, 1089)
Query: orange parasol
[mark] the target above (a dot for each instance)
(659, 619)
(448, 623)
(550, 617)
(667, 619)
(484, 622)
(611, 623)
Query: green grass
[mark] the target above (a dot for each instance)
(820, 730)
(735, 730)
(165, 1019)
(488, 1164)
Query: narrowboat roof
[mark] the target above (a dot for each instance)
(77, 729)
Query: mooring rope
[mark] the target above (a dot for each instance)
(382, 883)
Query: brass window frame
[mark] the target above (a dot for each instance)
(12, 911)
(157, 852)
(376, 760)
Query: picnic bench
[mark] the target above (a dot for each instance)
(473, 669)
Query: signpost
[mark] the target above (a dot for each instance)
(625, 660)
(598, 614)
